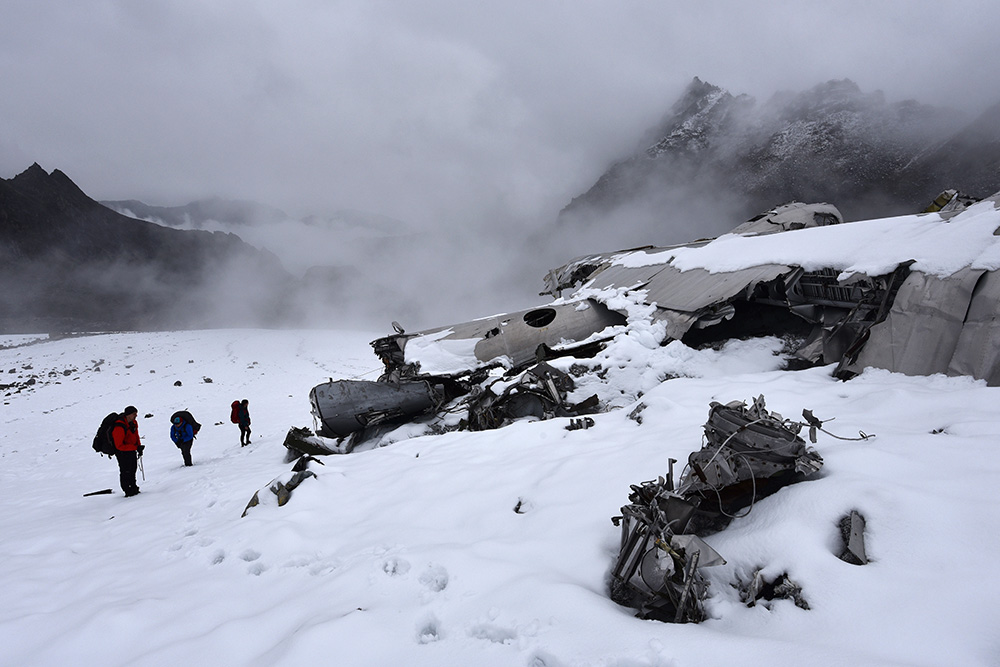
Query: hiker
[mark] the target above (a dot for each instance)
(128, 449)
(243, 417)
(182, 433)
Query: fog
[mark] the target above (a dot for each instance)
(472, 126)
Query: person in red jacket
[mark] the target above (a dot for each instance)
(128, 449)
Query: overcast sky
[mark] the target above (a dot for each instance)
(434, 111)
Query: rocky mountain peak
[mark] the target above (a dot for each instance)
(832, 143)
(64, 258)
(35, 181)
(702, 113)
(825, 100)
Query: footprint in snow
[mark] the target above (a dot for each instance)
(435, 578)
(395, 566)
(428, 632)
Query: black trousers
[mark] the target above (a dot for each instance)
(244, 434)
(128, 463)
(185, 448)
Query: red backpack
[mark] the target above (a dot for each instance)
(235, 415)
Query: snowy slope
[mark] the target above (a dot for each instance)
(413, 554)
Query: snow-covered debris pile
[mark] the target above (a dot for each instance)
(749, 454)
(915, 294)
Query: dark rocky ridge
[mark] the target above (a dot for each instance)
(197, 213)
(69, 263)
(716, 152)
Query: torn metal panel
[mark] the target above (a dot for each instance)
(852, 531)
(789, 217)
(683, 298)
(978, 350)
(511, 339)
(301, 442)
(950, 202)
(693, 290)
(577, 271)
(920, 334)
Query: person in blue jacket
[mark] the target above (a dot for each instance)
(182, 434)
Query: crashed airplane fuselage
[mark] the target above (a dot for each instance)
(428, 369)
(858, 294)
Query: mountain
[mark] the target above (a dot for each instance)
(67, 262)
(724, 154)
(195, 214)
(971, 158)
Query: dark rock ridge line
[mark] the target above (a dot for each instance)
(67, 263)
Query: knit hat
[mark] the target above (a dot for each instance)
(177, 420)
(130, 410)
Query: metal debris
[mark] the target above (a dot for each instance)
(749, 453)
(280, 489)
(852, 531)
(760, 590)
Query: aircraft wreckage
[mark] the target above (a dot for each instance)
(857, 294)
(748, 454)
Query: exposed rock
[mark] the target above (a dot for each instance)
(715, 151)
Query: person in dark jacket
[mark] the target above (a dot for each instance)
(128, 449)
(243, 415)
(182, 434)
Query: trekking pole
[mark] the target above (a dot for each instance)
(141, 470)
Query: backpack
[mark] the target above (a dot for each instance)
(103, 442)
(235, 415)
(187, 418)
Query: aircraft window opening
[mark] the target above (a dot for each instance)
(541, 317)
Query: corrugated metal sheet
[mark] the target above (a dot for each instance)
(978, 350)
(921, 333)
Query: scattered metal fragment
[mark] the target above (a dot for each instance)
(281, 487)
(852, 531)
(759, 589)
(580, 423)
(538, 392)
(300, 441)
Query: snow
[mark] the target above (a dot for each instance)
(872, 247)
(412, 554)
(438, 356)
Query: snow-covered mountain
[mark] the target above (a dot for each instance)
(834, 143)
